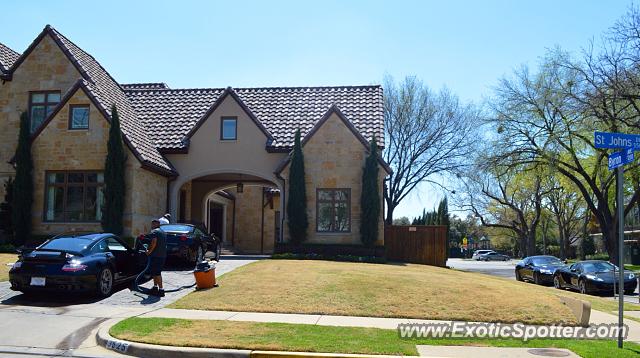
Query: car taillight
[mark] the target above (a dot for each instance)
(73, 267)
(183, 238)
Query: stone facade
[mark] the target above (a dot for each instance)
(334, 158)
(46, 69)
(58, 148)
(250, 235)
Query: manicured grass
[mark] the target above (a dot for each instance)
(4, 268)
(311, 338)
(377, 290)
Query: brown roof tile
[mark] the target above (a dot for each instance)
(7, 58)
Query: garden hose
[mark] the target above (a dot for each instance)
(147, 291)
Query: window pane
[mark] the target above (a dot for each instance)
(74, 203)
(37, 116)
(53, 97)
(228, 129)
(55, 209)
(55, 178)
(341, 195)
(80, 117)
(37, 98)
(325, 212)
(325, 195)
(91, 203)
(342, 217)
(75, 178)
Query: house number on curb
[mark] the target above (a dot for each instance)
(117, 346)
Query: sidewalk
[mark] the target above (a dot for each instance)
(346, 321)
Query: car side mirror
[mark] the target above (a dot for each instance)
(573, 270)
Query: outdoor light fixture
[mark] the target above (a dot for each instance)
(239, 187)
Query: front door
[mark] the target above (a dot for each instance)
(216, 219)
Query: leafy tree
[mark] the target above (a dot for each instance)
(370, 197)
(297, 202)
(114, 172)
(427, 133)
(6, 223)
(402, 221)
(23, 184)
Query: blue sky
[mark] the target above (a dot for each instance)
(464, 45)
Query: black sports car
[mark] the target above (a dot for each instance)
(539, 269)
(189, 242)
(87, 262)
(593, 276)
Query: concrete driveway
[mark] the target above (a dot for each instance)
(55, 325)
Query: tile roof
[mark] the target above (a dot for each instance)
(108, 92)
(171, 114)
(155, 117)
(7, 58)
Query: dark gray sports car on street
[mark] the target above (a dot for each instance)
(593, 276)
(538, 269)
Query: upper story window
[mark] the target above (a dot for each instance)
(41, 104)
(333, 210)
(229, 128)
(79, 117)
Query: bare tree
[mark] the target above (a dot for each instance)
(426, 134)
(569, 212)
(508, 200)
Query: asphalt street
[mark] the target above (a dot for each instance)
(57, 325)
(506, 269)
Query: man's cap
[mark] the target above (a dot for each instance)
(167, 215)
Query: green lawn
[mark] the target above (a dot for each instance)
(4, 268)
(327, 339)
(377, 290)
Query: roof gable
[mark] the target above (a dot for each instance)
(107, 92)
(334, 109)
(226, 93)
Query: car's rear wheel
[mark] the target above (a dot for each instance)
(629, 292)
(536, 278)
(518, 276)
(556, 282)
(105, 282)
(582, 287)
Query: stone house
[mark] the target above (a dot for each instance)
(218, 156)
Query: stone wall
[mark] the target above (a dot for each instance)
(334, 158)
(249, 238)
(46, 68)
(58, 148)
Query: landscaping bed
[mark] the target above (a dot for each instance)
(327, 339)
(377, 290)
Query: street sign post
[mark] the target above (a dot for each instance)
(617, 161)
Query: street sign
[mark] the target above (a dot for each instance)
(616, 140)
(618, 159)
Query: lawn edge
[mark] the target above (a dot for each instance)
(137, 349)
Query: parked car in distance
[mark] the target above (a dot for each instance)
(477, 253)
(493, 256)
(189, 242)
(87, 262)
(539, 269)
(593, 276)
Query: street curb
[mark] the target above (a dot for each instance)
(157, 351)
(136, 349)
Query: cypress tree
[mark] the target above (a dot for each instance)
(370, 197)
(114, 186)
(297, 202)
(23, 184)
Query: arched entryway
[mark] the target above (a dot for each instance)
(243, 209)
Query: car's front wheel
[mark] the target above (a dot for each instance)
(105, 282)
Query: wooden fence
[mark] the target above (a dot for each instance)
(416, 244)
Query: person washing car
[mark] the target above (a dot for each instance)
(157, 253)
(166, 219)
